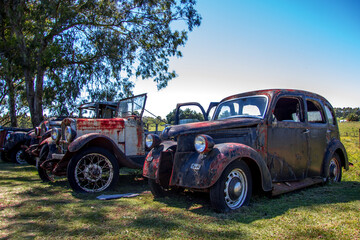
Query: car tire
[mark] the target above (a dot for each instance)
(93, 170)
(44, 174)
(233, 189)
(156, 189)
(332, 169)
(18, 156)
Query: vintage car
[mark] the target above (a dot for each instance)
(272, 141)
(11, 142)
(41, 133)
(90, 151)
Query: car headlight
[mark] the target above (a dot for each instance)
(203, 143)
(37, 131)
(70, 134)
(55, 134)
(47, 126)
(7, 137)
(152, 140)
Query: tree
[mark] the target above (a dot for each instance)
(184, 114)
(352, 117)
(68, 48)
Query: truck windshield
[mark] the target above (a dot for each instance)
(132, 106)
(252, 106)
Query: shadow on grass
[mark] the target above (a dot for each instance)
(262, 207)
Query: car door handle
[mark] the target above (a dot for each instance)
(306, 131)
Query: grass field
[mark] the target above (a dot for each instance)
(30, 209)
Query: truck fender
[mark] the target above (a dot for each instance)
(97, 139)
(203, 171)
(159, 162)
(335, 146)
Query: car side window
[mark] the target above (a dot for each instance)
(329, 115)
(315, 112)
(288, 109)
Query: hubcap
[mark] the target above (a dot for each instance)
(334, 170)
(20, 157)
(236, 187)
(94, 172)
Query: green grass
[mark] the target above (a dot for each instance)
(31, 209)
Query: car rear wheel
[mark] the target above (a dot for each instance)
(233, 189)
(334, 171)
(93, 170)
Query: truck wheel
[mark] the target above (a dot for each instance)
(156, 189)
(93, 170)
(44, 174)
(233, 189)
(333, 169)
(18, 155)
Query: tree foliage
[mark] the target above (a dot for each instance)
(64, 50)
(350, 114)
(184, 114)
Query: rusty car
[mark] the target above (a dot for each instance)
(272, 141)
(90, 151)
(42, 133)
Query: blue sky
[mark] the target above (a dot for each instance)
(245, 45)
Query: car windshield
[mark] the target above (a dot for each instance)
(252, 106)
(132, 106)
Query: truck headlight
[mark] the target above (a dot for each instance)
(203, 143)
(70, 134)
(152, 140)
(55, 134)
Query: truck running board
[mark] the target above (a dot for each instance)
(284, 187)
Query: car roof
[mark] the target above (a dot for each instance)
(273, 92)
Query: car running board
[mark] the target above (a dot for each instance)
(284, 187)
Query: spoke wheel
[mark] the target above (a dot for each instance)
(233, 189)
(94, 170)
(45, 174)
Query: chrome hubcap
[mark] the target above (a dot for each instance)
(236, 187)
(334, 170)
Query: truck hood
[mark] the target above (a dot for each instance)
(208, 126)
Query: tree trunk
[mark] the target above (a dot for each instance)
(11, 102)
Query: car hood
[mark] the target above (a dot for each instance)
(202, 127)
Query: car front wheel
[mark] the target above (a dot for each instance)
(93, 170)
(18, 156)
(233, 189)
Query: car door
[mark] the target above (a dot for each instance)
(318, 135)
(192, 112)
(287, 140)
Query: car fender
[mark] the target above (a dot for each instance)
(203, 170)
(97, 139)
(335, 146)
(159, 161)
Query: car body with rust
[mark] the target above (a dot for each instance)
(42, 133)
(12, 141)
(90, 151)
(273, 141)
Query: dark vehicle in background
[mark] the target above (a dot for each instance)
(11, 142)
(273, 141)
(91, 151)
